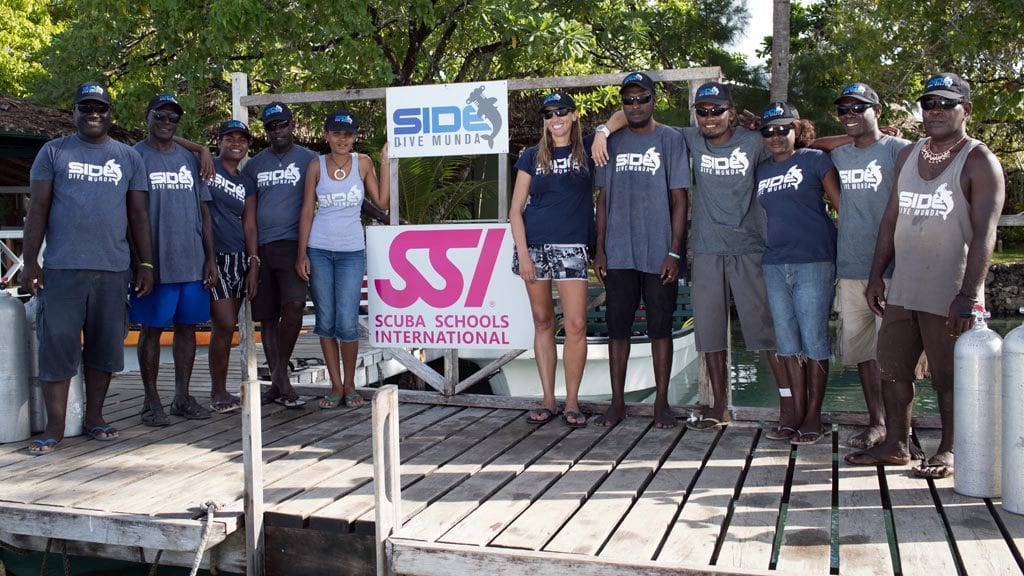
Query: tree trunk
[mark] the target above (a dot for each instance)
(780, 50)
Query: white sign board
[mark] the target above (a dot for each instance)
(445, 286)
(448, 119)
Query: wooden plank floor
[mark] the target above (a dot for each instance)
(484, 490)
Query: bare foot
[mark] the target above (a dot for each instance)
(869, 438)
(611, 417)
(663, 417)
(938, 466)
(879, 456)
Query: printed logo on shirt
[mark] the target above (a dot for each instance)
(792, 178)
(633, 162)
(288, 175)
(938, 203)
(180, 180)
(354, 197)
(560, 166)
(862, 178)
(734, 164)
(236, 191)
(109, 172)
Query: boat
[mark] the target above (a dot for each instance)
(519, 376)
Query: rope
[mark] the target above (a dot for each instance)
(156, 563)
(210, 507)
(46, 556)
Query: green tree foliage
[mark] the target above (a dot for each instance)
(26, 27)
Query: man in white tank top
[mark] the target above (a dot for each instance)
(940, 228)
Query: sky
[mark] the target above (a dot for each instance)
(760, 26)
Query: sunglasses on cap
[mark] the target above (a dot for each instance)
(560, 112)
(859, 108)
(92, 107)
(944, 103)
(783, 130)
(716, 111)
(161, 116)
(641, 99)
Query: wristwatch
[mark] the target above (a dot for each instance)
(603, 130)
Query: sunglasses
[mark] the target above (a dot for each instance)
(716, 111)
(944, 103)
(90, 108)
(548, 114)
(769, 131)
(859, 108)
(161, 116)
(278, 125)
(641, 99)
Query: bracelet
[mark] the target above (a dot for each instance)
(256, 258)
(146, 265)
(971, 298)
(673, 254)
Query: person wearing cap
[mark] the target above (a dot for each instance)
(280, 175)
(940, 228)
(641, 233)
(233, 194)
(866, 162)
(184, 261)
(798, 263)
(727, 241)
(81, 290)
(551, 218)
(331, 252)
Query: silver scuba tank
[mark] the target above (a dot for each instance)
(75, 413)
(1013, 420)
(977, 438)
(14, 416)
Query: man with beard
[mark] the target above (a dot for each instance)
(940, 227)
(727, 241)
(82, 313)
(641, 233)
(866, 167)
(184, 261)
(280, 176)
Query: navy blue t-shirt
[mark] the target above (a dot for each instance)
(229, 191)
(791, 192)
(560, 208)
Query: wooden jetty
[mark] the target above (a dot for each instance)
(482, 491)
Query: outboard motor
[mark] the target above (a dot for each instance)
(1013, 420)
(14, 416)
(977, 437)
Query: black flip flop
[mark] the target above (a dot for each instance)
(547, 414)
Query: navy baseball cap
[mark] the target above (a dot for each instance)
(637, 79)
(341, 120)
(234, 126)
(275, 111)
(91, 91)
(947, 85)
(859, 91)
(161, 100)
(713, 93)
(779, 113)
(557, 100)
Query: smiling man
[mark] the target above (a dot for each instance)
(87, 189)
(940, 228)
(280, 176)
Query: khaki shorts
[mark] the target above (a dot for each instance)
(857, 333)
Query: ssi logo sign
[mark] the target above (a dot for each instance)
(448, 120)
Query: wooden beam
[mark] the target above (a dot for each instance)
(1012, 219)
(107, 528)
(487, 370)
(426, 373)
(387, 479)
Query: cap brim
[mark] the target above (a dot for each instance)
(941, 93)
(239, 130)
(857, 97)
(640, 84)
(713, 100)
(781, 121)
(276, 117)
(554, 107)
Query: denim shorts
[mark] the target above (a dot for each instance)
(800, 296)
(336, 280)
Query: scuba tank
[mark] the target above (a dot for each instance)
(1013, 420)
(977, 381)
(14, 416)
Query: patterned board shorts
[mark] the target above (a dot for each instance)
(231, 270)
(556, 261)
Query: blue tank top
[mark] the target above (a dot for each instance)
(337, 226)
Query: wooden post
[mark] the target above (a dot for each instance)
(393, 169)
(386, 471)
(239, 88)
(503, 187)
(451, 371)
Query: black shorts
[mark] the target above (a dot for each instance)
(231, 271)
(279, 282)
(624, 288)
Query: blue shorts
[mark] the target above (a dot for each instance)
(169, 304)
(336, 281)
(800, 296)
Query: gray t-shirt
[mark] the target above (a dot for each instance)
(87, 227)
(281, 182)
(866, 177)
(641, 170)
(726, 219)
(175, 191)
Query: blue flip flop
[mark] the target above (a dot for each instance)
(95, 431)
(41, 445)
